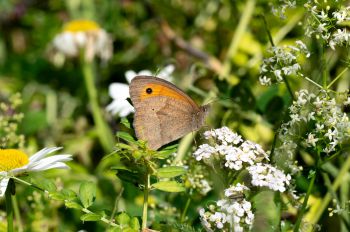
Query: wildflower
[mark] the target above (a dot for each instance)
(14, 162)
(321, 24)
(229, 212)
(283, 62)
(328, 126)
(280, 8)
(204, 152)
(311, 140)
(84, 35)
(120, 91)
(269, 176)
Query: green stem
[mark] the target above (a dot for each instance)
(335, 79)
(268, 31)
(145, 202)
(236, 39)
(324, 71)
(9, 208)
(17, 214)
(304, 205)
(184, 212)
(325, 201)
(273, 44)
(288, 87)
(104, 133)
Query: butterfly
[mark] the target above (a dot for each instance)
(163, 112)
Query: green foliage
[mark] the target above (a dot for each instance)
(218, 49)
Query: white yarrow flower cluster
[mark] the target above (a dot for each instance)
(328, 26)
(282, 62)
(265, 175)
(229, 213)
(230, 147)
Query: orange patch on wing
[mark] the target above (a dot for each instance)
(160, 90)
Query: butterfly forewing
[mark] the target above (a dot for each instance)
(163, 113)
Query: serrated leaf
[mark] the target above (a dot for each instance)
(87, 193)
(90, 217)
(169, 172)
(125, 122)
(73, 205)
(123, 219)
(125, 136)
(169, 186)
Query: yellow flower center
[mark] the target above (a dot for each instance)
(81, 25)
(11, 159)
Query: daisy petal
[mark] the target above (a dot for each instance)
(43, 152)
(3, 185)
(44, 163)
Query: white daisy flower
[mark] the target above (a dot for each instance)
(14, 162)
(84, 35)
(120, 92)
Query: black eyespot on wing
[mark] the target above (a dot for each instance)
(149, 90)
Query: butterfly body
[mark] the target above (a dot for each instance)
(163, 112)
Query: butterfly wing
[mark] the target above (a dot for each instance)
(163, 113)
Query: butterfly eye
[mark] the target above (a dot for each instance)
(149, 90)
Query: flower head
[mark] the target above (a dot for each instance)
(120, 92)
(86, 35)
(229, 212)
(282, 62)
(14, 162)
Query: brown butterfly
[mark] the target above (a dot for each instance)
(163, 112)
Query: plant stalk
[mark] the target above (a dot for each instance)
(145, 202)
(326, 199)
(104, 133)
(184, 212)
(238, 34)
(9, 208)
(303, 207)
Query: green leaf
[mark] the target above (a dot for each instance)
(73, 205)
(57, 196)
(90, 217)
(46, 184)
(169, 186)
(69, 194)
(87, 193)
(125, 122)
(166, 152)
(169, 172)
(125, 136)
(120, 167)
(135, 224)
(123, 219)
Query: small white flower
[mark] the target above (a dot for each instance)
(120, 92)
(269, 176)
(204, 151)
(311, 140)
(14, 162)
